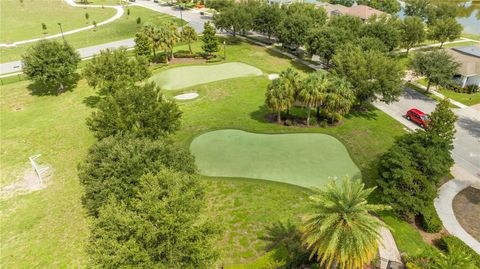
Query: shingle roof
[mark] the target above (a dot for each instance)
(469, 62)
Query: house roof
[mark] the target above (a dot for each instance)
(361, 11)
(469, 59)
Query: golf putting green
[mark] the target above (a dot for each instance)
(306, 160)
(187, 76)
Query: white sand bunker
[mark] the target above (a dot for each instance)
(273, 76)
(187, 96)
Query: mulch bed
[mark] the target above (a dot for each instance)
(186, 60)
(466, 206)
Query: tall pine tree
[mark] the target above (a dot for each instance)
(210, 41)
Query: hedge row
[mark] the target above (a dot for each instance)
(430, 221)
(453, 243)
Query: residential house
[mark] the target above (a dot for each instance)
(361, 11)
(469, 59)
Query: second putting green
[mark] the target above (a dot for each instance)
(187, 76)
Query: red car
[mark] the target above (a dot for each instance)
(418, 117)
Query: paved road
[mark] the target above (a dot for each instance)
(466, 152)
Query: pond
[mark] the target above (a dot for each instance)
(469, 15)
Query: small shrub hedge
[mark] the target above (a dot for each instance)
(453, 243)
(183, 54)
(430, 221)
(214, 60)
(470, 89)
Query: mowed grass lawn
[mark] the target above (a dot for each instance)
(318, 158)
(187, 76)
(22, 21)
(49, 228)
(123, 28)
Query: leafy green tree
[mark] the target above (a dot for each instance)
(412, 32)
(189, 35)
(114, 165)
(437, 66)
(219, 5)
(235, 19)
(87, 16)
(371, 74)
(402, 185)
(341, 225)
(162, 227)
(44, 28)
(278, 98)
(300, 19)
(325, 41)
(388, 6)
(417, 8)
(209, 40)
(139, 20)
(347, 3)
(267, 19)
(367, 43)
(339, 97)
(143, 46)
(114, 68)
(313, 91)
(442, 10)
(445, 30)
(142, 111)
(52, 65)
(442, 125)
(384, 28)
(349, 23)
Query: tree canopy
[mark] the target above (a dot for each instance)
(371, 73)
(142, 111)
(384, 28)
(160, 228)
(412, 32)
(114, 69)
(443, 30)
(114, 165)
(325, 41)
(437, 66)
(209, 40)
(52, 65)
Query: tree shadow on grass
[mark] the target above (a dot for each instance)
(45, 89)
(366, 112)
(287, 235)
(260, 114)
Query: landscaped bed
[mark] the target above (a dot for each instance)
(187, 76)
(307, 160)
(466, 206)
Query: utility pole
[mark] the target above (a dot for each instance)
(61, 30)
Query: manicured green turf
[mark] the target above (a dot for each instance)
(123, 28)
(464, 98)
(49, 228)
(187, 76)
(307, 160)
(24, 21)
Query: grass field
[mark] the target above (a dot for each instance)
(49, 228)
(22, 21)
(187, 76)
(307, 160)
(123, 28)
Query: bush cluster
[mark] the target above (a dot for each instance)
(470, 89)
(430, 221)
(452, 243)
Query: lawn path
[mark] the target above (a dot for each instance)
(72, 3)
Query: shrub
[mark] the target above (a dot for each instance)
(114, 165)
(183, 54)
(455, 88)
(452, 243)
(472, 89)
(430, 221)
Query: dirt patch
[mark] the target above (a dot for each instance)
(430, 238)
(466, 206)
(186, 60)
(26, 183)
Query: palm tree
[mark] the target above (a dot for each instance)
(341, 231)
(339, 98)
(188, 34)
(277, 97)
(313, 92)
(153, 33)
(292, 80)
